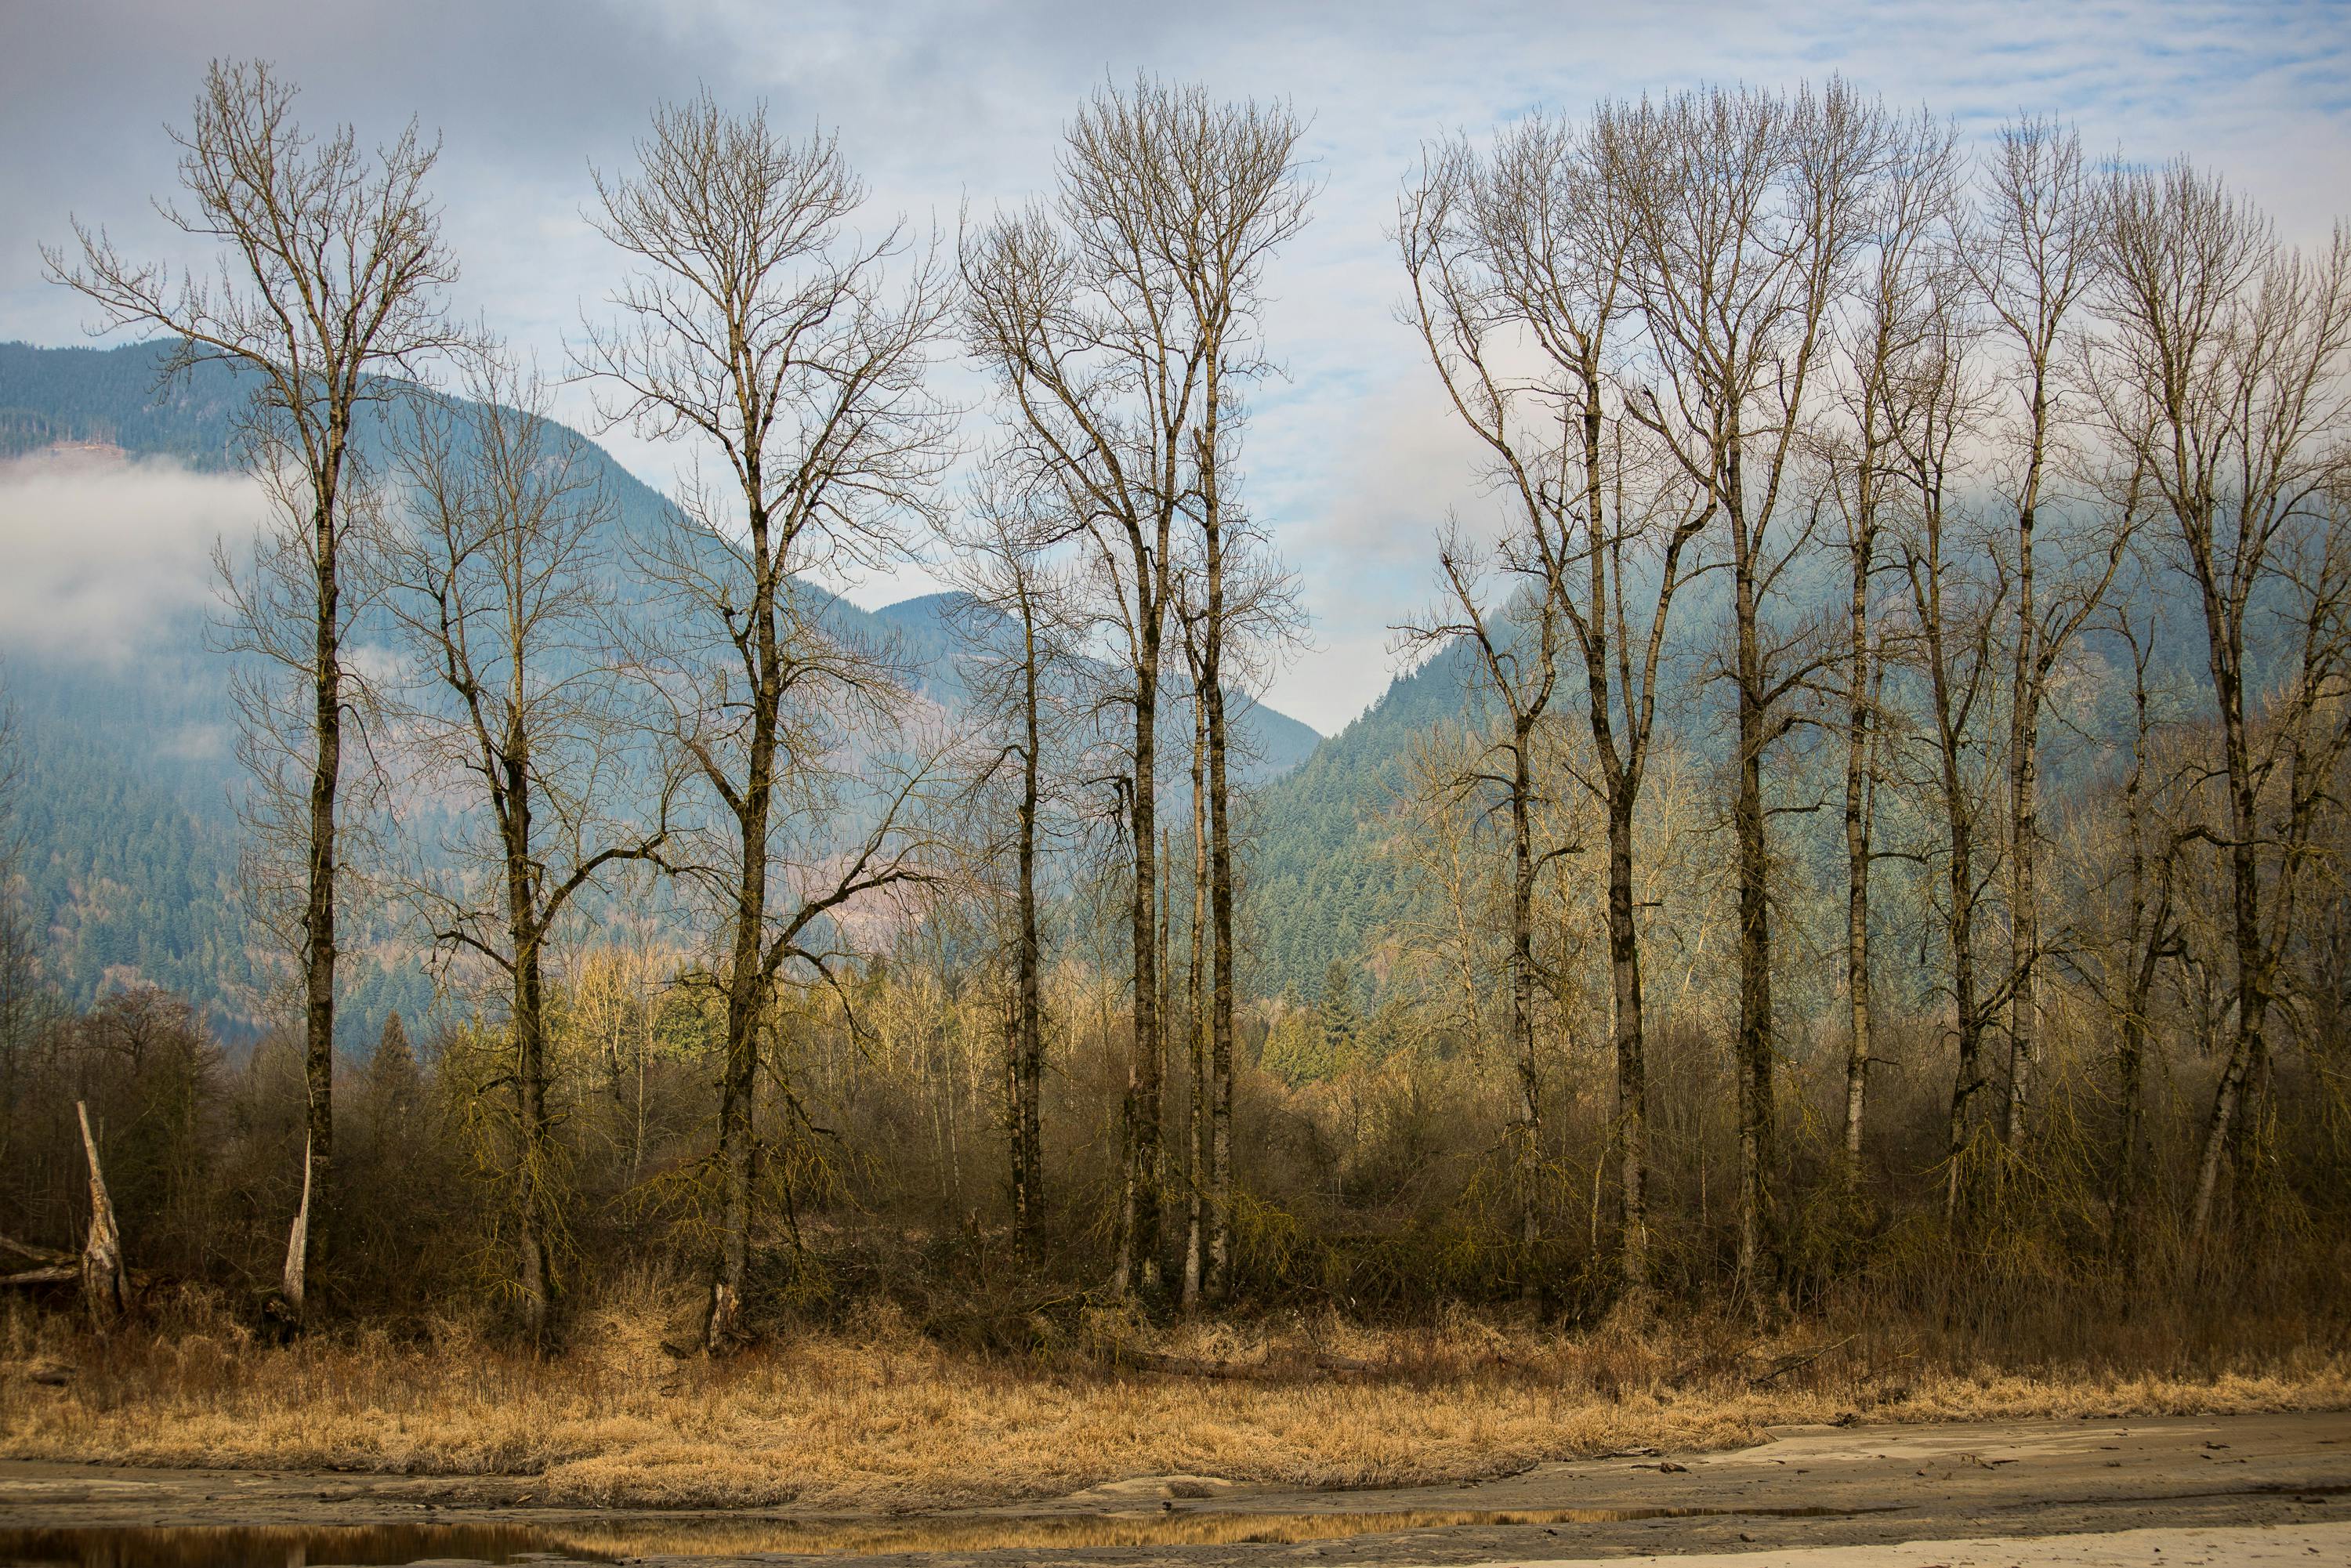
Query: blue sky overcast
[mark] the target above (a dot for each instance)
(1351, 457)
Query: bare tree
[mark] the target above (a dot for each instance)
(1907, 270)
(1954, 613)
(2032, 251)
(500, 587)
(1016, 623)
(1256, 617)
(1200, 1123)
(105, 1283)
(1746, 211)
(1117, 321)
(2122, 959)
(1227, 190)
(1523, 253)
(755, 321)
(1518, 645)
(332, 276)
(2225, 385)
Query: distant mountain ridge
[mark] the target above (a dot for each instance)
(132, 869)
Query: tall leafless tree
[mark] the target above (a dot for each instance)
(1522, 253)
(1906, 269)
(755, 322)
(1228, 190)
(1016, 623)
(1118, 320)
(1746, 210)
(500, 586)
(2226, 385)
(1517, 644)
(332, 277)
(2124, 959)
(2032, 250)
(1954, 613)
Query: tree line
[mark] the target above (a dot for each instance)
(1842, 473)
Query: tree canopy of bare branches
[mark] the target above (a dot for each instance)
(332, 276)
(758, 323)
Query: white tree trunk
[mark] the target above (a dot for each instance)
(297, 1244)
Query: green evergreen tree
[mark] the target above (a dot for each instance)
(1343, 1021)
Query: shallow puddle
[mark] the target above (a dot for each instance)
(620, 1539)
(278, 1546)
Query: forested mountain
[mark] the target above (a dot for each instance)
(144, 883)
(1321, 887)
(128, 800)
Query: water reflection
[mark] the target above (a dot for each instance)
(621, 1538)
(291, 1546)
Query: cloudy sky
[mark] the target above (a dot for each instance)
(1350, 457)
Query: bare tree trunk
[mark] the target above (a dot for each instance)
(2149, 934)
(1138, 1263)
(1526, 1133)
(1219, 868)
(1860, 718)
(1632, 1067)
(2151, 941)
(1968, 1082)
(1195, 1130)
(2031, 259)
(105, 1287)
(534, 1263)
(2246, 1043)
(1220, 1263)
(747, 998)
(1954, 680)
(319, 952)
(294, 1279)
(1758, 1118)
(1165, 1005)
(748, 988)
(2023, 837)
(1027, 1075)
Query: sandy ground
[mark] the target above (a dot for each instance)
(2108, 1549)
(2218, 1490)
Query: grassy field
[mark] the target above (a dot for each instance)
(873, 1415)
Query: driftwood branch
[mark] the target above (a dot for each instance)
(1789, 1364)
(1249, 1372)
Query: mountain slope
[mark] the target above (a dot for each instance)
(133, 841)
(1319, 887)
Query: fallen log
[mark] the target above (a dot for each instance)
(54, 1274)
(44, 1256)
(1248, 1371)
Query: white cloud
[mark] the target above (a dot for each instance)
(94, 553)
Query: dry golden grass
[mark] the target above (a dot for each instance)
(881, 1418)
